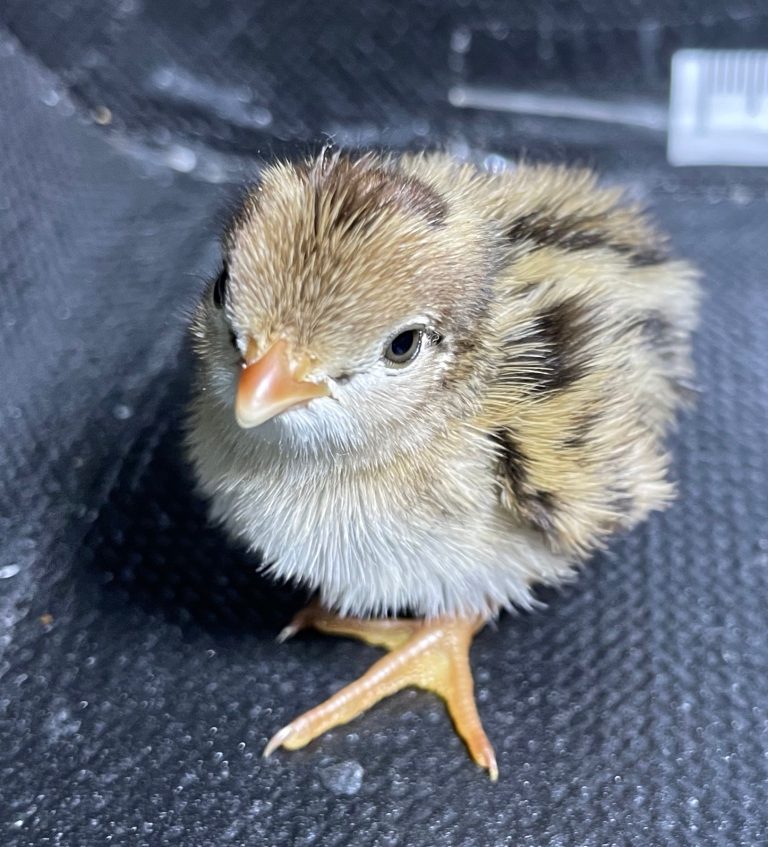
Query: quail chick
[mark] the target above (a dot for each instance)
(423, 388)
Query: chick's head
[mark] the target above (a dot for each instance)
(350, 306)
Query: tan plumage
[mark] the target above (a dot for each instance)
(526, 431)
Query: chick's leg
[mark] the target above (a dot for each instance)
(433, 655)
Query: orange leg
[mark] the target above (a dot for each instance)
(433, 655)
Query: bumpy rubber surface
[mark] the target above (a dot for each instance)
(139, 676)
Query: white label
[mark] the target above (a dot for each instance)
(718, 110)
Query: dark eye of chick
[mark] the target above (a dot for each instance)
(220, 287)
(405, 346)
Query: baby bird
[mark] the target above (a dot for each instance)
(423, 388)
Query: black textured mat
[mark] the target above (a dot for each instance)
(139, 677)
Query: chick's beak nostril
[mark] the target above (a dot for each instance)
(272, 383)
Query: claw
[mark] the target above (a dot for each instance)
(287, 632)
(276, 741)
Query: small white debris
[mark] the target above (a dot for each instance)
(344, 778)
(181, 159)
(122, 412)
(51, 97)
(461, 39)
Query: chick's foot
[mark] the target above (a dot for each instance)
(433, 655)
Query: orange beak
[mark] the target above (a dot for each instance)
(272, 384)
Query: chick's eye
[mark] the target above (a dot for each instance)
(404, 347)
(220, 288)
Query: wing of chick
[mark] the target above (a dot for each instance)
(590, 336)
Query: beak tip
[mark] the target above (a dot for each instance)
(245, 421)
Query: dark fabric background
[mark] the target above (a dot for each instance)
(139, 677)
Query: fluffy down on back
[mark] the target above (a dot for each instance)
(553, 349)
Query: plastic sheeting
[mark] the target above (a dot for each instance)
(139, 676)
